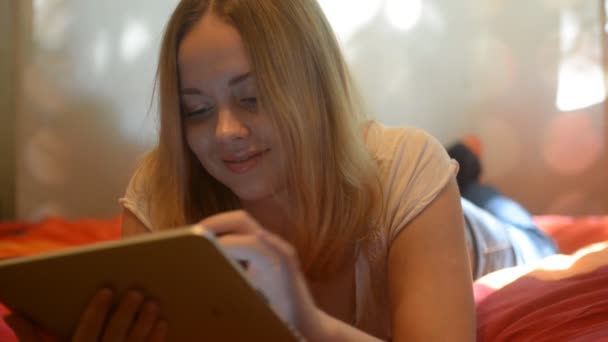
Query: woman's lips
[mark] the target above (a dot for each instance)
(245, 164)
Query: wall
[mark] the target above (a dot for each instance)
(7, 109)
(526, 76)
(86, 95)
(545, 132)
(521, 74)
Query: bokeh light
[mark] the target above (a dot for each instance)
(359, 14)
(403, 15)
(135, 38)
(495, 67)
(572, 144)
(502, 147)
(581, 84)
(46, 157)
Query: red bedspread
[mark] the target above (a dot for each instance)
(574, 233)
(528, 309)
(21, 238)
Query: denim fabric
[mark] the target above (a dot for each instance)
(511, 213)
(495, 244)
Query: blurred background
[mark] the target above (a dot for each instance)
(528, 77)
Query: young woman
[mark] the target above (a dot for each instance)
(262, 137)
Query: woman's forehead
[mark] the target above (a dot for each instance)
(212, 50)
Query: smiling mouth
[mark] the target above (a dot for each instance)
(246, 163)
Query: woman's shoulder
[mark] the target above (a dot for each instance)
(137, 197)
(413, 169)
(388, 143)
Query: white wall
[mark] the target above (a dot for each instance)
(487, 67)
(86, 95)
(526, 76)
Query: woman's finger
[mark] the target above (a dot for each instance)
(91, 322)
(146, 318)
(160, 332)
(118, 326)
(22, 328)
(249, 248)
(288, 253)
(231, 222)
(265, 270)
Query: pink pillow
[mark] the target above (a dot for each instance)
(574, 233)
(530, 309)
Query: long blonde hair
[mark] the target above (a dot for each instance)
(305, 88)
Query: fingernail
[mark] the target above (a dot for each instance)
(152, 306)
(105, 294)
(135, 296)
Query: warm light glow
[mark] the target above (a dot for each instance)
(135, 39)
(46, 157)
(347, 16)
(504, 148)
(403, 14)
(572, 143)
(569, 31)
(581, 84)
(581, 81)
(51, 24)
(496, 68)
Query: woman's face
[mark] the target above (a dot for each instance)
(231, 137)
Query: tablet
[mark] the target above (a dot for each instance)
(203, 294)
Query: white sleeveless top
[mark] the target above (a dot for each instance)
(414, 167)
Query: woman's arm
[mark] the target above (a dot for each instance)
(430, 284)
(275, 270)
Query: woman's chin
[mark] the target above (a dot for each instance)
(257, 190)
(250, 194)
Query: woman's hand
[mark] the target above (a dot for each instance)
(135, 319)
(273, 268)
(23, 329)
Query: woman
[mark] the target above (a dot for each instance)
(263, 139)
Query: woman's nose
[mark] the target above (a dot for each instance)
(230, 126)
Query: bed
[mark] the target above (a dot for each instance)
(562, 298)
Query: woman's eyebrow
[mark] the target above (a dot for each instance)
(239, 79)
(190, 91)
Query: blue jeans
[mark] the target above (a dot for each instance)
(496, 244)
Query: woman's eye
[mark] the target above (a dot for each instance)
(199, 112)
(250, 102)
